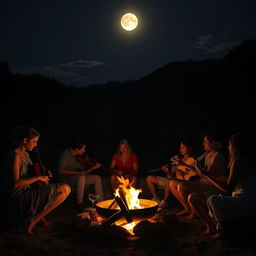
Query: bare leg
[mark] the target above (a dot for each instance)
(167, 190)
(62, 193)
(174, 189)
(151, 182)
(45, 223)
(198, 203)
(184, 189)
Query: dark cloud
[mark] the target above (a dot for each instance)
(82, 64)
(207, 44)
(222, 47)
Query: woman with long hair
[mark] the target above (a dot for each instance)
(193, 195)
(239, 200)
(175, 173)
(124, 163)
(32, 203)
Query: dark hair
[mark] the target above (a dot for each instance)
(20, 133)
(213, 135)
(241, 145)
(188, 143)
(78, 142)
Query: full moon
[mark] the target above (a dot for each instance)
(129, 21)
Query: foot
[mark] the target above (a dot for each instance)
(210, 230)
(45, 223)
(217, 234)
(163, 204)
(31, 224)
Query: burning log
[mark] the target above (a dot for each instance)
(124, 212)
(123, 197)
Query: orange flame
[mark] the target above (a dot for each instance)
(131, 193)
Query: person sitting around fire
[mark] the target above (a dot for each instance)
(193, 195)
(172, 172)
(124, 163)
(76, 174)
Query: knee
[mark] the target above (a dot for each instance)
(149, 179)
(192, 198)
(180, 187)
(172, 184)
(81, 178)
(65, 189)
(211, 200)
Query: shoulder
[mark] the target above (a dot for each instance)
(17, 155)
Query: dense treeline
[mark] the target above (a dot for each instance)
(154, 113)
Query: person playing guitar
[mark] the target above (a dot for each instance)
(172, 172)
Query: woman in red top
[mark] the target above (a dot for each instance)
(124, 163)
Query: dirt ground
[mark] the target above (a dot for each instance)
(68, 236)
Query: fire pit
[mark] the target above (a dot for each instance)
(126, 209)
(148, 210)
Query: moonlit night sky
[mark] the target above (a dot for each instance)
(81, 42)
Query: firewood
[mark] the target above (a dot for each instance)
(123, 197)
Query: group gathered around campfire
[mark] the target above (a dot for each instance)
(209, 187)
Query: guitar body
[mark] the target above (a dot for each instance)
(184, 174)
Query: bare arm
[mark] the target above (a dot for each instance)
(17, 181)
(135, 167)
(112, 168)
(226, 185)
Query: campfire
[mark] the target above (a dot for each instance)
(126, 209)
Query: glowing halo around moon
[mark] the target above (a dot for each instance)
(129, 21)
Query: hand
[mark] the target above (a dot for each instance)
(165, 168)
(176, 161)
(49, 174)
(44, 179)
(97, 165)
